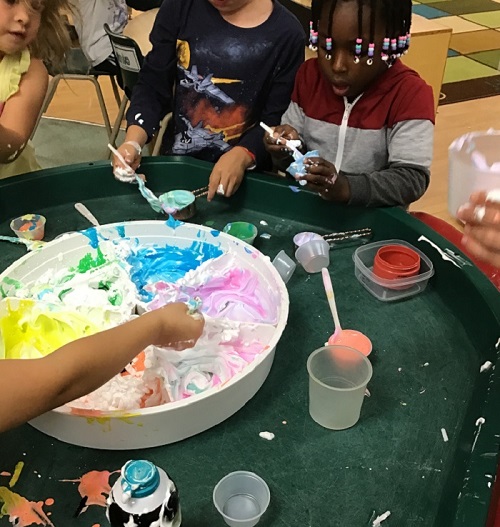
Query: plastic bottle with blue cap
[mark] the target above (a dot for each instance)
(143, 496)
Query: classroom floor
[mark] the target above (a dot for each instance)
(472, 68)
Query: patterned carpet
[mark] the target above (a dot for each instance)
(472, 69)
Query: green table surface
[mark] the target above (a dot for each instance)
(394, 459)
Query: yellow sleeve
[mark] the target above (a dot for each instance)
(12, 68)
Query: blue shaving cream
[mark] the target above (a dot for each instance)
(120, 229)
(173, 223)
(91, 234)
(168, 264)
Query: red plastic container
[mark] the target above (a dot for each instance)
(396, 261)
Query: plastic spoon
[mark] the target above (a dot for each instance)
(327, 282)
(291, 144)
(145, 192)
(344, 337)
(85, 212)
(30, 244)
(129, 169)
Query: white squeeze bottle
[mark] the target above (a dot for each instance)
(143, 496)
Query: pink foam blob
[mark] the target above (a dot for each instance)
(352, 339)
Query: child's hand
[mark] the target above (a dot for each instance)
(131, 152)
(275, 144)
(482, 229)
(322, 177)
(228, 172)
(175, 327)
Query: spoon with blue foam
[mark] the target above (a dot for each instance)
(127, 175)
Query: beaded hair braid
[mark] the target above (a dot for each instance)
(395, 13)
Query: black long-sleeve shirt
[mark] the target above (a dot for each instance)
(226, 79)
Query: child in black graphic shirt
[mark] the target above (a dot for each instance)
(231, 64)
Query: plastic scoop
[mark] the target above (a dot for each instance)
(85, 212)
(30, 244)
(345, 337)
(145, 192)
(291, 144)
(179, 203)
(327, 282)
(126, 174)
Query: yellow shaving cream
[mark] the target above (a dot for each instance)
(27, 332)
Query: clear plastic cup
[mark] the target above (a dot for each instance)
(241, 498)
(242, 230)
(338, 376)
(284, 265)
(304, 237)
(473, 166)
(29, 226)
(313, 255)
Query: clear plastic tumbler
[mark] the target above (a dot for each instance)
(241, 498)
(338, 376)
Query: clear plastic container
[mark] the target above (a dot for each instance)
(29, 226)
(241, 498)
(338, 376)
(284, 265)
(474, 164)
(390, 290)
(313, 255)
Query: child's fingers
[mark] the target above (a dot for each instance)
(212, 187)
(325, 171)
(320, 180)
(274, 140)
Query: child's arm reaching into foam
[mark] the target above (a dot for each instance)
(31, 387)
(20, 111)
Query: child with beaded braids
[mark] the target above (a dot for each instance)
(370, 117)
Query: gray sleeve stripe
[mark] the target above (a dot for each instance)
(411, 142)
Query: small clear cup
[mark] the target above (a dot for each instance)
(241, 498)
(313, 255)
(284, 265)
(29, 226)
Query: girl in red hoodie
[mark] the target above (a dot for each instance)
(370, 117)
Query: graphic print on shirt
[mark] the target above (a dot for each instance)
(209, 118)
(118, 15)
